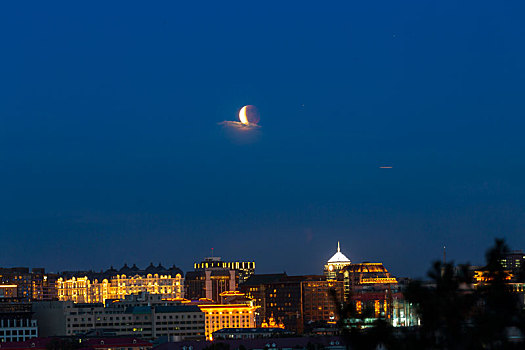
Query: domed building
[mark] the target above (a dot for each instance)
(336, 263)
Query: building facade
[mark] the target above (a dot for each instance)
(34, 284)
(234, 311)
(16, 321)
(375, 293)
(90, 287)
(321, 300)
(244, 269)
(514, 261)
(297, 301)
(143, 315)
(8, 291)
(209, 280)
(255, 288)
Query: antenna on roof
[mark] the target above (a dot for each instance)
(444, 254)
(338, 247)
(212, 252)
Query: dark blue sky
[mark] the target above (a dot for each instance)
(111, 152)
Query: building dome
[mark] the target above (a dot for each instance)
(336, 263)
(338, 257)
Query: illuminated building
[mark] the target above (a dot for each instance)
(376, 294)
(319, 302)
(143, 315)
(16, 321)
(293, 301)
(297, 301)
(336, 263)
(365, 274)
(235, 311)
(44, 285)
(482, 276)
(272, 324)
(514, 261)
(33, 284)
(8, 290)
(244, 269)
(209, 280)
(91, 287)
(255, 288)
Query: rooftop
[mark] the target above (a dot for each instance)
(338, 257)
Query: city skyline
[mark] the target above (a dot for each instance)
(395, 128)
(339, 252)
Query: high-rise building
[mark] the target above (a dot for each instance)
(209, 280)
(243, 269)
(514, 262)
(255, 288)
(33, 284)
(8, 291)
(295, 301)
(336, 264)
(93, 287)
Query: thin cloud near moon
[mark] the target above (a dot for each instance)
(239, 125)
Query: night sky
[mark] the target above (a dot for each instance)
(112, 151)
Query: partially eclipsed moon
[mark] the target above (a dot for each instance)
(242, 116)
(249, 115)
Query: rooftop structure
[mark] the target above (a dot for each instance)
(243, 269)
(367, 273)
(335, 264)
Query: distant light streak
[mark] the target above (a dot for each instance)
(385, 167)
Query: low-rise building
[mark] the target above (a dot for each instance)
(143, 315)
(16, 321)
(235, 310)
(249, 333)
(274, 343)
(125, 343)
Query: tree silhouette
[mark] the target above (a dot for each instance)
(499, 306)
(455, 311)
(442, 305)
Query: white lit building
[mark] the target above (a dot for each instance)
(336, 263)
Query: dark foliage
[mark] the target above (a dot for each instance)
(454, 315)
